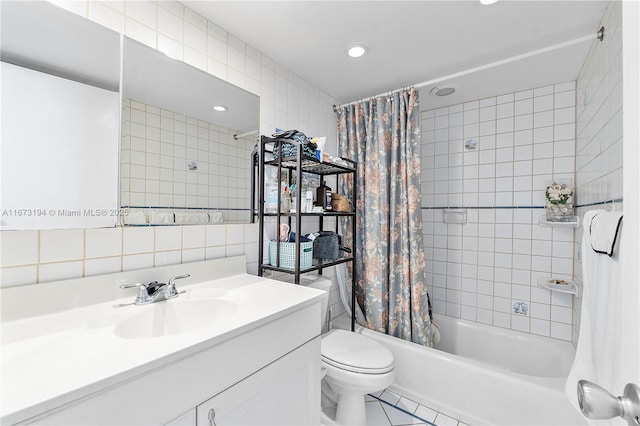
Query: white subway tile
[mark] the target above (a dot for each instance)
(103, 265)
(540, 327)
(18, 248)
(61, 245)
(59, 271)
(520, 323)
(504, 140)
(523, 137)
(471, 105)
(103, 242)
(560, 331)
(138, 240)
(543, 119)
(18, 275)
(504, 125)
(541, 91)
(523, 122)
(487, 102)
(563, 87)
(525, 94)
(193, 255)
(564, 115)
(565, 99)
(487, 113)
(523, 107)
(541, 263)
(564, 132)
(509, 97)
(167, 258)
(504, 110)
(502, 319)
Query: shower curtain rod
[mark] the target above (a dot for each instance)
(238, 136)
(599, 35)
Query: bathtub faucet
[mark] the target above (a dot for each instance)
(155, 291)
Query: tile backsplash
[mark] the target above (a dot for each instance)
(493, 158)
(50, 255)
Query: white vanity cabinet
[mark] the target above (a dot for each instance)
(257, 364)
(261, 377)
(279, 394)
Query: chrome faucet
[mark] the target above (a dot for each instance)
(155, 291)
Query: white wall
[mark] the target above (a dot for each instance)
(599, 153)
(47, 148)
(479, 270)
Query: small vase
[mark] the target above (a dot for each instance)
(559, 212)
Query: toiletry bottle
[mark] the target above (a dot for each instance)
(271, 204)
(321, 196)
(308, 202)
(286, 200)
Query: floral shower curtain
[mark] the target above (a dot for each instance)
(383, 136)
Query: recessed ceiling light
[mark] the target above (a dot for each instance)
(220, 108)
(487, 2)
(357, 50)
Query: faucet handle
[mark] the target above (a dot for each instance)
(172, 290)
(133, 285)
(143, 294)
(172, 280)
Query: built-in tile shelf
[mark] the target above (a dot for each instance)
(549, 284)
(573, 223)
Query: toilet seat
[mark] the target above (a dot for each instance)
(355, 353)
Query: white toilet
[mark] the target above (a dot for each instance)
(354, 366)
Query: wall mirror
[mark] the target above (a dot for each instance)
(182, 160)
(155, 146)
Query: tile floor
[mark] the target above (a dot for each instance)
(386, 408)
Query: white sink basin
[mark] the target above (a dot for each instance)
(172, 317)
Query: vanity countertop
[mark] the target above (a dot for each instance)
(54, 359)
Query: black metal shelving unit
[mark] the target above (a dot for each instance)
(297, 164)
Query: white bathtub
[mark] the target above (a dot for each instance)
(484, 375)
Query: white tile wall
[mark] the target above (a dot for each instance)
(286, 102)
(156, 146)
(599, 129)
(84, 252)
(479, 270)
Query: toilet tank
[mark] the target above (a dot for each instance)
(321, 283)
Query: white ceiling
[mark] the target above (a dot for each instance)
(413, 41)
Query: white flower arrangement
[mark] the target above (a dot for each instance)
(558, 193)
(559, 203)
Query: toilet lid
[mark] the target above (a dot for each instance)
(355, 352)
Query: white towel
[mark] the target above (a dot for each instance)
(135, 218)
(201, 217)
(604, 229)
(160, 218)
(600, 354)
(191, 217)
(215, 217)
